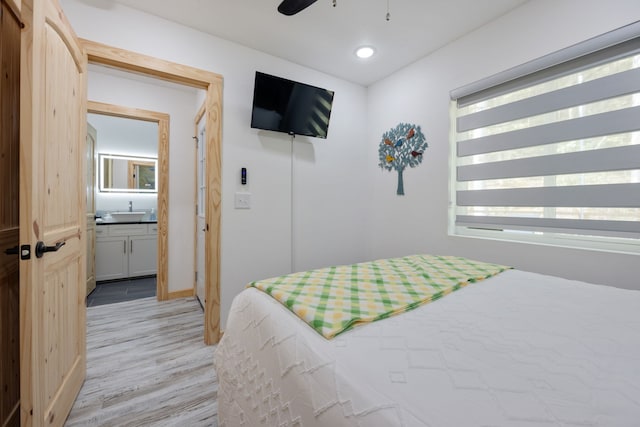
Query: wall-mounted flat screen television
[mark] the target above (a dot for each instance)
(283, 105)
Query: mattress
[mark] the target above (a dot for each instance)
(518, 349)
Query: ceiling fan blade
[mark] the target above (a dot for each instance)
(291, 7)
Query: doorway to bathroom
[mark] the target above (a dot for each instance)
(126, 142)
(212, 96)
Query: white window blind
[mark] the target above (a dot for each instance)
(553, 146)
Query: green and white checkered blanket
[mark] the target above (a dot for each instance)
(335, 299)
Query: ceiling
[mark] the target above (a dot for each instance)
(325, 38)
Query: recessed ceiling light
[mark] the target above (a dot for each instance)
(365, 52)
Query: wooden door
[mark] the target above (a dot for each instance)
(9, 217)
(52, 211)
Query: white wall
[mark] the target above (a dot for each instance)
(417, 222)
(329, 199)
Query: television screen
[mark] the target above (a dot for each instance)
(283, 105)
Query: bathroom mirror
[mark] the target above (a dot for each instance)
(119, 173)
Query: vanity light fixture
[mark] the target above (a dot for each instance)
(365, 52)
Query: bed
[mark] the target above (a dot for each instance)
(515, 349)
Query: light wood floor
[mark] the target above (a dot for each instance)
(147, 365)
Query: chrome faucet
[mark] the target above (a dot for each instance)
(130, 205)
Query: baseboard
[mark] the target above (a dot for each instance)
(185, 293)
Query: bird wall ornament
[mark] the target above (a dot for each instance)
(407, 150)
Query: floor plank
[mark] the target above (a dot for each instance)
(147, 365)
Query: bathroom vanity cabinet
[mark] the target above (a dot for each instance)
(126, 250)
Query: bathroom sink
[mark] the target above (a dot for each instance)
(127, 216)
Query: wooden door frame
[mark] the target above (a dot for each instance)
(10, 53)
(133, 174)
(142, 64)
(162, 120)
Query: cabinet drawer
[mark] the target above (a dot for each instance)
(127, 229)
(152, 229)
(102, 230)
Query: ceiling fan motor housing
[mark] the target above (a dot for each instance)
(291, 7)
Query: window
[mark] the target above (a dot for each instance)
(550, 151)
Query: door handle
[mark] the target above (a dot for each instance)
(41, 248)
(12, 251)
(131, 246)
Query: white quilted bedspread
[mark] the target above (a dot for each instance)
(519, 349)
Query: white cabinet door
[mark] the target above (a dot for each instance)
(112, 258)
(142, 255)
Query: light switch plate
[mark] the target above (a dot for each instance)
(243, 200)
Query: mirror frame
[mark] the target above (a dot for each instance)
(102, 171)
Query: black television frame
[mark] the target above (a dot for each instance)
(258, 98)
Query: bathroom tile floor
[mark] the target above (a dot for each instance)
(125, 290)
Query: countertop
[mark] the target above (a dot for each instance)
(126, 222)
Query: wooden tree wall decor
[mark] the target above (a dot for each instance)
(400, 147)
